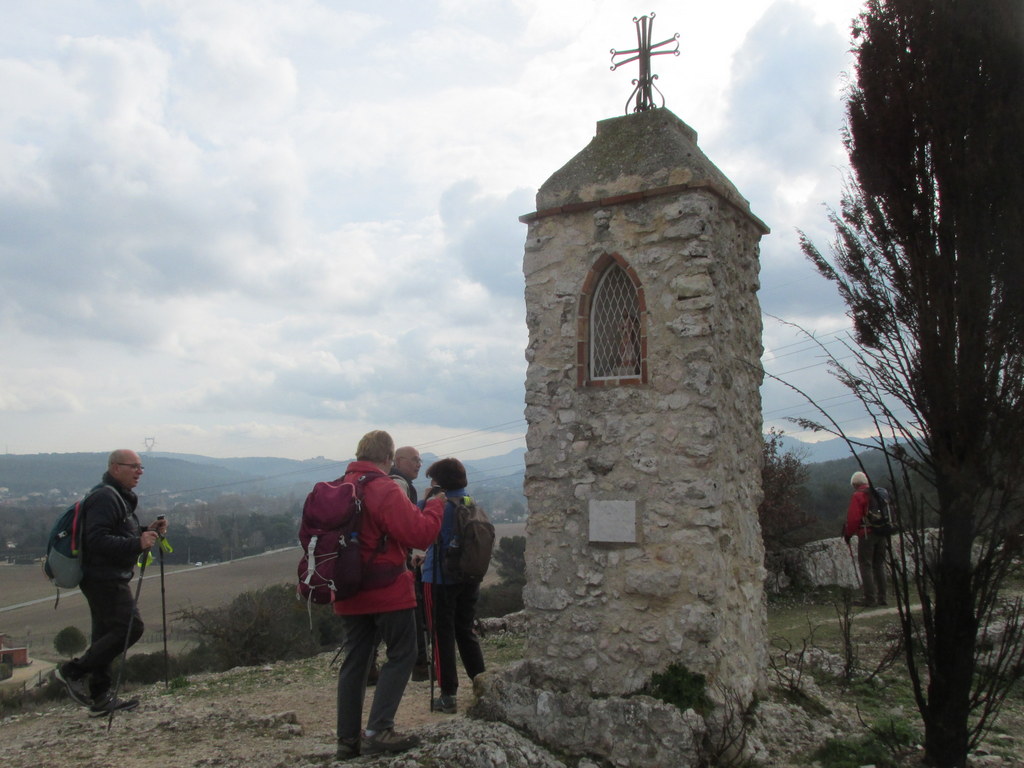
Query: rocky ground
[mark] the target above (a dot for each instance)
(282, 716)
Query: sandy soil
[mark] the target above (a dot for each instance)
(275, 715)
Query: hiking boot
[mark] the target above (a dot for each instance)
(76, 686)
(446, 704)
(110, 704)
(347, 749)
(420, 673)
(387, 741)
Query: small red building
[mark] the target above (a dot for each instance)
(16, 657)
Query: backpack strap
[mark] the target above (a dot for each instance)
(438, 552)
(360, 484)
(386, 574)
(81, 524)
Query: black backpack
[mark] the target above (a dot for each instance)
(879, 516)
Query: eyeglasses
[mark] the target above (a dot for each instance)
(138, 467)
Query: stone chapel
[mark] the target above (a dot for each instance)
(643, 436)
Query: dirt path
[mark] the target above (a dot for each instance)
(260, 717)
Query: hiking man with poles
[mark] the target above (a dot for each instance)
(112, 540)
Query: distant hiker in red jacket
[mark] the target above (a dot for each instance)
(391, 526)
(870, 548)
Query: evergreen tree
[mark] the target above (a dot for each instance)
(510, 559)
(928, 261)
(69, 641)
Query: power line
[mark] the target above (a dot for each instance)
(495, 428)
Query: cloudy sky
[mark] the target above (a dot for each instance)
(262, 227)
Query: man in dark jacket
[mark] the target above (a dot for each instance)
(405, 469)
(112, 540)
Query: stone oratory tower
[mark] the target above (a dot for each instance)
(643, 447)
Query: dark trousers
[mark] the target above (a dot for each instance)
(421, 632)
(112, 608)
(871, 558)
(398, 631)
(454, 614)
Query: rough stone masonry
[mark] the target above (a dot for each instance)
(643, 547)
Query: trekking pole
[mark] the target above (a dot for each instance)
(428, 606)
(163, 603)
(128, 637)
(431, 615)
(426, 632)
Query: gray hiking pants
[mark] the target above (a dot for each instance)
(398, 631)
(871, 558)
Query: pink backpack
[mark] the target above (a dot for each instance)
(331, 567)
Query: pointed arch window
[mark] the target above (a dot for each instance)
(613, 339)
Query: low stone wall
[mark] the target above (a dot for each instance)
(829, 562)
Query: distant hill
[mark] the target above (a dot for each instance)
(813, 453)
(53, 478)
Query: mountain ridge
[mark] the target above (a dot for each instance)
(56, 477)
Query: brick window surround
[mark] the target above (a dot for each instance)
(633, 341)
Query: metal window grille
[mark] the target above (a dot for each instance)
(615, 327)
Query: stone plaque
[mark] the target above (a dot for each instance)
(613, 522)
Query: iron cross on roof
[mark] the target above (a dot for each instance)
(643, 51)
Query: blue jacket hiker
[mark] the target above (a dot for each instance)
(450, 605)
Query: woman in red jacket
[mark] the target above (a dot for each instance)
(391, 526)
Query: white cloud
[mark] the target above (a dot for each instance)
(264, 226)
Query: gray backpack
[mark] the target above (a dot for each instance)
(468, 556)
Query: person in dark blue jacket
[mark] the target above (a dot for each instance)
(451, 601)
(112, 540)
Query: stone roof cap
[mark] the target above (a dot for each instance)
(640, 155)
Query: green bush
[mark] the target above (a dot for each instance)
(895, 734)
(853, 753)
(6, 670)
(499, 600)
(202, 658)
(510, 560)
(150, 668)
(327, 626)
(179, 683)
(255, 628)
(679, 686)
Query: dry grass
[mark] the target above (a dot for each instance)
(27, 614)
